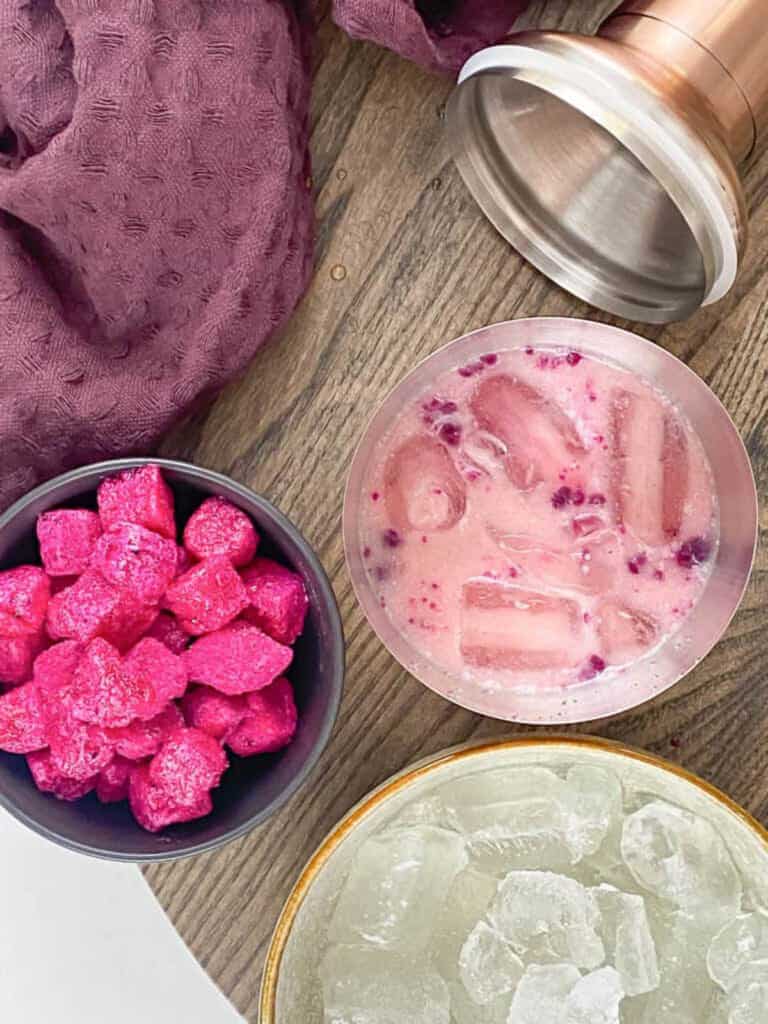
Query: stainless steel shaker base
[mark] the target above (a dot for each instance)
(598, 174)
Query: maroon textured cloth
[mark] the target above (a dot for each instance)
(155, 206)
(436, 33)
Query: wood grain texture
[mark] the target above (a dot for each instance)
(405, 262)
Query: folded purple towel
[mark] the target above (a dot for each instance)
(155, 204)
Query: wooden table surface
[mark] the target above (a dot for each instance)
(405, 262)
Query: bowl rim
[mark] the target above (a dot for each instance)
(267, 1005)
(337, 653)
(359, 581)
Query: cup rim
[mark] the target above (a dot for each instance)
(359, 580)
(426, 766)
(337, 654)
(698, 176)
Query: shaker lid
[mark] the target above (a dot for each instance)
(593, 175)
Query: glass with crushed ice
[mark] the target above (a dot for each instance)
(546, 881)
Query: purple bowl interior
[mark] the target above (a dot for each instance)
(252, 788)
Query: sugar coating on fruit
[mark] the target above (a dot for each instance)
(154, 808)
(217, 714)
(137, 560)
(102, 691)
(218, 527)
(67, 537)
(278, 599)
(269, 723)
(143, 739)
(112, 781)
(237, 659)
(24, 596)
(168, 630)
(92, 607)
(17, 655)
(138, 496)
(188, 765)
(49, 779)
(23, 725)
(53, 668)
(208, 596)
(155, 674)
(566, 519)
(78, 749)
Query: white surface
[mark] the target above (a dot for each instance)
(84, 941)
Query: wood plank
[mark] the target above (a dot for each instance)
(405, 262)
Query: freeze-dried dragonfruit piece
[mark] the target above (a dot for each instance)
(24, 595)
(67, 537)
(137, 496)
(218, 527)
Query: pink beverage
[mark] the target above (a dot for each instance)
(538, 519)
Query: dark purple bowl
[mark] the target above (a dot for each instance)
(252, 788)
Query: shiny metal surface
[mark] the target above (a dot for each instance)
(610, 161)
(732, 33)
(734, 486)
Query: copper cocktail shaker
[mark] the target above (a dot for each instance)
(610, 162)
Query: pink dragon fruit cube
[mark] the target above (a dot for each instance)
(143, 739)
(17, 655)
(138, 496)
(167, 629)
(102, 692)
(208, 596)
(67, 537)
(237, 659)
(188, 765)
(112, 781)
(137, 618)
(91, 608)
(278, 599)
(23, 724)
(49, 779)
(156, 674)
(137, 560)
(79, 750)
(53, 668)
(213, 712)
(270, 723)
(153, 808)
(218, 527)
(24, 596)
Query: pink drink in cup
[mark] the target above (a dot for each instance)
(538, 518)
